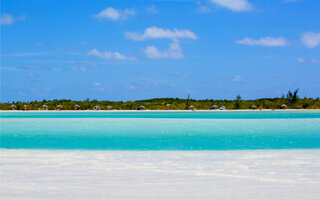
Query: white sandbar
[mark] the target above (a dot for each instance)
(148, 175)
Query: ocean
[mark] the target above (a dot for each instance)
(231, 130)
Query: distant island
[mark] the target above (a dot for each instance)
(289, 101)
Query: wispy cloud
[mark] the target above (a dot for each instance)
(267, 41)
(237, 78)
(113, 14)
(160, 33)
(173, 52)
(203, 9)
(152, 9)
(79, 69)
(310, 39)
(109, 55)
(315, 61)
(25, 54)
(8, 19)
(301, 60)
(235, 5)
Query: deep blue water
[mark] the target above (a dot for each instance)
(161, 130)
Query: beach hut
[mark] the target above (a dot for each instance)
(59, 107)
(76, 107)
(109, 107)
(25, 107)
(214, 107)
(45, 107)
(96, 107)
(141, 108)
(283, 106)
(168, 106)
(253, 107)
(13, 107)
(222, 108)
(191, 107)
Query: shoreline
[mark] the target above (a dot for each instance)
(257, 110)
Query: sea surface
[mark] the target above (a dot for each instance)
(147, 130)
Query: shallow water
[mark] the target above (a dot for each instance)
(237, 130)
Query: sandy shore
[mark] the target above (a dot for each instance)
(145, 175)
(160, 110)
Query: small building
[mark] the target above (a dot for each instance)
(96, 107)
(59, 107)
(253, 107)
(214, 107)
(45, 107)
(141, 108)
(76, 107)
(13, 107)
(109, 107)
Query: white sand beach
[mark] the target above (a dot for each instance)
(139, 175)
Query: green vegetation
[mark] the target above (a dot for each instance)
(291, 100)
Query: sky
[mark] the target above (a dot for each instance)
(123, 50)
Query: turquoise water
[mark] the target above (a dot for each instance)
(161, 130)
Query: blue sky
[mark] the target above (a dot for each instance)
(129, 50)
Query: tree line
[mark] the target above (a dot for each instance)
(291, 101)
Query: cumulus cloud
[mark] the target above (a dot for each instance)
(301, 60)
(267, 41)
(173, 52)
(235, 5)
(310, 39)
(160, 33)
(114, 14)
(109, 55)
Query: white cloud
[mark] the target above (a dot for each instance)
(203, 9)
(6, 19)
(267, 41)
(315, 61)
(114, 14)
(301, 60)
(310, 39)
(159, 33)
(79, 69)
(235, 5)
(237, 78)
(173, 52)
(152, 9)
(108, 55)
